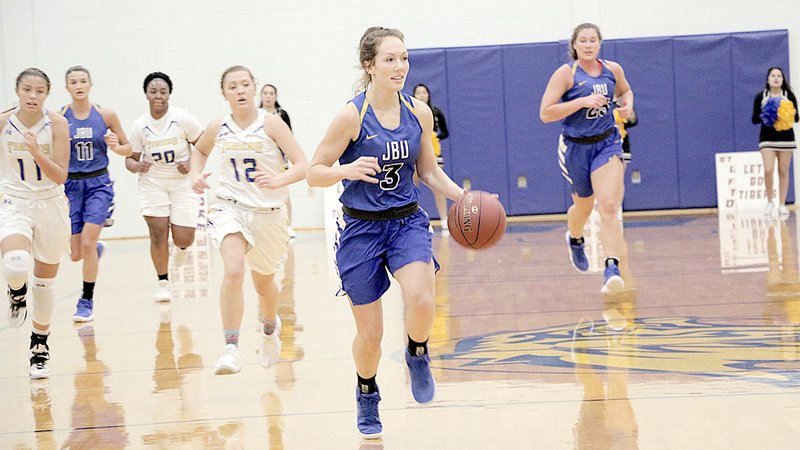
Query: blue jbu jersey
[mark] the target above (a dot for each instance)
(86, 142)
(590, 121)
(397, 152)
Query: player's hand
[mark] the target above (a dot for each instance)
(111, 138)
(266, 180)
(144, 166)
(199, 183)
(594, 101)
(183, 166)
(31, 142)
(363, 169)
(624, 111)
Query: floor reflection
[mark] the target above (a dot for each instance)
(602, 353)
(783, 288)
(96, 422)
(180, 399)
(42, 404)
(291, 350)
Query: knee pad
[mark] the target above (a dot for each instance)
(16, 266)
(44, 300)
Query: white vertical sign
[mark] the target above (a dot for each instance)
(740, 181)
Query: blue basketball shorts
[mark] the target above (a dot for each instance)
(578, 161)
(91, 200)
(368, 250)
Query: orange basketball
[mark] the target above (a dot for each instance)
(477, 220)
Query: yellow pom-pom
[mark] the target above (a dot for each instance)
(620, 123)
(786, 112)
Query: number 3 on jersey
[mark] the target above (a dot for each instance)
(391, 176)
(249, 165)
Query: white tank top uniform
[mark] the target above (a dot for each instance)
(164, 142)
(240, 205)
(33, 205)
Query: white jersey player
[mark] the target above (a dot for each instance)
(161, 156)
(247, 220)
(34, 213)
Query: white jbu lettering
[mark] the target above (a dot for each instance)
(83, 133)
(396, 150)
(601, 89)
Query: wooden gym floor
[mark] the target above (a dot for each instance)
(701, 353)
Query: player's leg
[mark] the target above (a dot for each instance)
(17, 265)
(231, 300)
(270, 234)
(366, 355)
(784, 164)
(98, 198)
(270, 346)
(90, 252)
(43, 287)
(769, 156)
(574, 160)
(51, 235)
(183, 217)
(182, 238)
(360, 257)
(410, 259)
(609, 188)
(158, 228)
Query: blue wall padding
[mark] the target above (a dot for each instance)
(531, 144)
(478, 140)
(648, 68)
(704, 113)
(693, 97)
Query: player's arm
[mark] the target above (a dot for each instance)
(279, 132)
(134, 162)
(623, 93)
(193, 130)
(115, 138)
(553, 109)
(200, 152)
(344, 128)
(428, 170)
(56, 168)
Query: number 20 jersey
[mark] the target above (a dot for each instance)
(21, 177)
(164, 142)
(241, 151)
(397, 152)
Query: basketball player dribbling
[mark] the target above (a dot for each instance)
(378, 138)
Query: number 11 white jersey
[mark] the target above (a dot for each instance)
(241, 152)
(21, 176)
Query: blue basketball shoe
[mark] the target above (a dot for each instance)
(368, 419)
(577, 254)
(83, 313)
(423, 386)
(613, 281)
